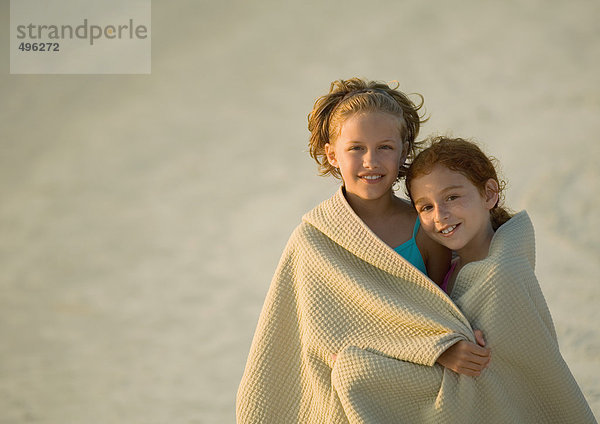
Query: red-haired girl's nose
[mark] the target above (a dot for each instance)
(441, 214)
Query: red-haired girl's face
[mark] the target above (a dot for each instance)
(368, 152)
(454, 212)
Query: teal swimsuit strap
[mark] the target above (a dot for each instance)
(417, 225)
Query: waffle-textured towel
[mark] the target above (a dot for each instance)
(339, 289)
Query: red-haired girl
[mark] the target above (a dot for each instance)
(457, 193)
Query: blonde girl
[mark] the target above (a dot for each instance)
(363, 133)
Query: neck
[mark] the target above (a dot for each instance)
(369, 210)
(478, 248)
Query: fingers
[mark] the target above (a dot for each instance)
(477, 350)
(468, 349)
(478, 355)
(481, 342)
(479, 337)
(468, 368)
(468, 372)
(466, 358)
(477, 363)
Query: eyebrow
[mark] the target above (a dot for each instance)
(419, 201)
(452, 187)
(387, 140)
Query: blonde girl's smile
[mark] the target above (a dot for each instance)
(371, 179)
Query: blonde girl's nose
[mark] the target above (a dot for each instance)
(370, 159)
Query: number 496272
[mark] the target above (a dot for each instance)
(39, 47)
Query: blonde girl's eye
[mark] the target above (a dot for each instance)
(387, 147)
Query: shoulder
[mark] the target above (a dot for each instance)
(405, 213)
(300, 234)
(405, 207)
(511, 257)
(514, 240)
(305, 237)
(294, 248)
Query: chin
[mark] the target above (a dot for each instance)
(450, 244)
(369, 195)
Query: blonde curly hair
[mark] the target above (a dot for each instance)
(355, 95)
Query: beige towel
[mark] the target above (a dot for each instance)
(339, 289)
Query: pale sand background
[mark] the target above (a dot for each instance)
(141, 217)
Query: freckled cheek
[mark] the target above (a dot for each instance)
(427, 224)
(458, 207)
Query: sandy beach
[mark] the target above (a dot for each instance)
(142, 216)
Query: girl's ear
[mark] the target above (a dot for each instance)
(330, 153)
(491, 193)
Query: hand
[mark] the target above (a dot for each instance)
(479, 337)
(467, 358)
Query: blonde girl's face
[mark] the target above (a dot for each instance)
(453, 211)
(368, 152)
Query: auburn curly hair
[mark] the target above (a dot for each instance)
(462, 156)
